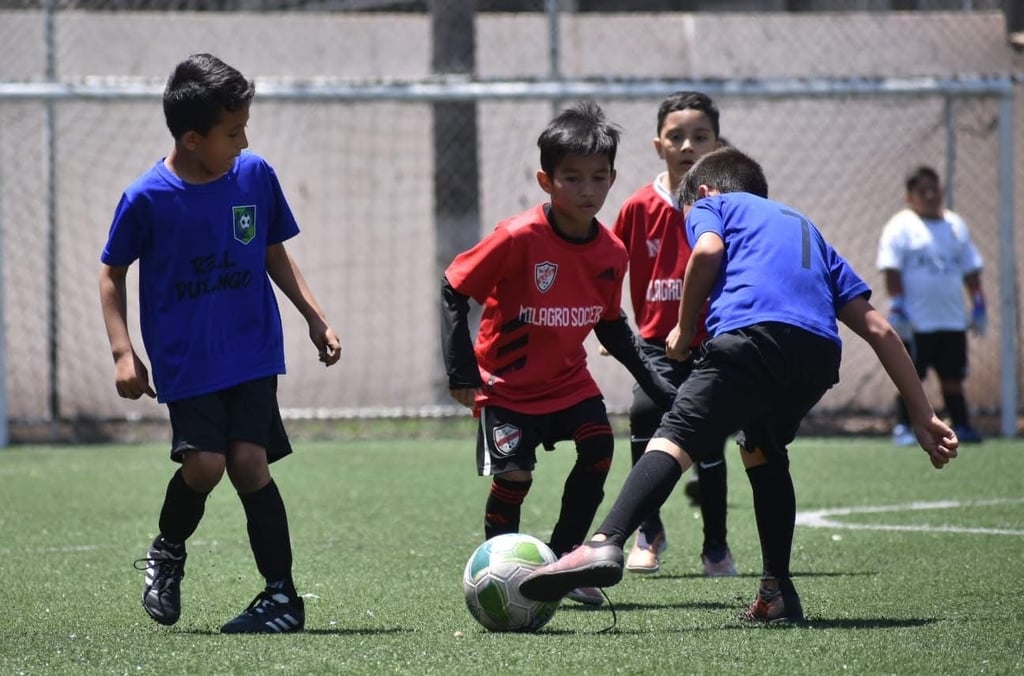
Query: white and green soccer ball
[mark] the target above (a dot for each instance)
(491, 583)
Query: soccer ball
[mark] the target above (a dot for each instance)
(491, 583)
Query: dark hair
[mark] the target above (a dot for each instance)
(725, 170)
(579, 130)
(920, 173)
(199, 90)
(688, 101)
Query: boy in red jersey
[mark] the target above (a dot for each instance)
(651, 226)
(546, 278)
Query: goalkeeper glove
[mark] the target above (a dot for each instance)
(979, 316)
(900, 320)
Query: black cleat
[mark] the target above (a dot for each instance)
(271, 612)
(165, 566)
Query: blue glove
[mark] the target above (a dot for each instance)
(979, 316)
(900, 320)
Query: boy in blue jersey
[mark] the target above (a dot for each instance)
(776, 288)
(207, 225)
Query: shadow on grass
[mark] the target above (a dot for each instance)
(852, 623)
(696, 605)
(337, 631)
(797, 575)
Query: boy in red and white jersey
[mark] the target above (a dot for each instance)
(546, 278)
(651, 226)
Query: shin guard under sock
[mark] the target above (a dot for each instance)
(182, 510)
(647, 487)
(267, 524)
(775, 513)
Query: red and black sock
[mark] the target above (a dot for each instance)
(501, 514)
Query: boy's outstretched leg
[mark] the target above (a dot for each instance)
(598, 563)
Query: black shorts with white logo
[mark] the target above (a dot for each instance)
(760, 380)
(507, 440)
(245, 412)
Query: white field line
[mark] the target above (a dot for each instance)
(820, 518)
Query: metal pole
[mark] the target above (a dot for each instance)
(3, 336)
(51, 223)
(554, 49)
(1008, 387)
(950, 123)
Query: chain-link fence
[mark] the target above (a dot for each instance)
(400, 137)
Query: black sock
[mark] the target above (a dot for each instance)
(267, 523)
(582, 493)
(182, 510)
(647, 487)
(713, 505)
(501, 513)
(652, 524)
(956, 406)
(775, 513)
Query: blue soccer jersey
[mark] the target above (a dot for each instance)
(208, 312)
(777, 266)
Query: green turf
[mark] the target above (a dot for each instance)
(382, 530)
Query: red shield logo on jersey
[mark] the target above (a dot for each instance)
(506, 438)
(544, 275)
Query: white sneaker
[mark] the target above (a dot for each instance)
(903, 436)
(590, 596)
(645, 557)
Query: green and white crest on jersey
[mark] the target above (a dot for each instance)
(244, 222)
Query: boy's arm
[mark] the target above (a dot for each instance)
(934, 436)
(130, 375)
(621, 343)
(457, 346)
(701, 272)
(285, 273)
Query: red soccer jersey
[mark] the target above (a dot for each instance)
(542, 295)
(653, 231)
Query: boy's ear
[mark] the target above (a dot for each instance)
(702, 191)
(544, 181)
(657, 147)
(190, 140)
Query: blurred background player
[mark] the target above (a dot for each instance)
(928, 258)
(207, 225)
(776, 288)
(546, 278)
(651, 226)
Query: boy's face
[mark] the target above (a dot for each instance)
(578, 188)
(925, 198)
(685, 136)
(216, 151)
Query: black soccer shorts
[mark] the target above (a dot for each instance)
(245, 412)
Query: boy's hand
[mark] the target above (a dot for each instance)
(979, 316)
(465, 395)
(938, 441)
(131, 377)
(328, 345)
(677, 345)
